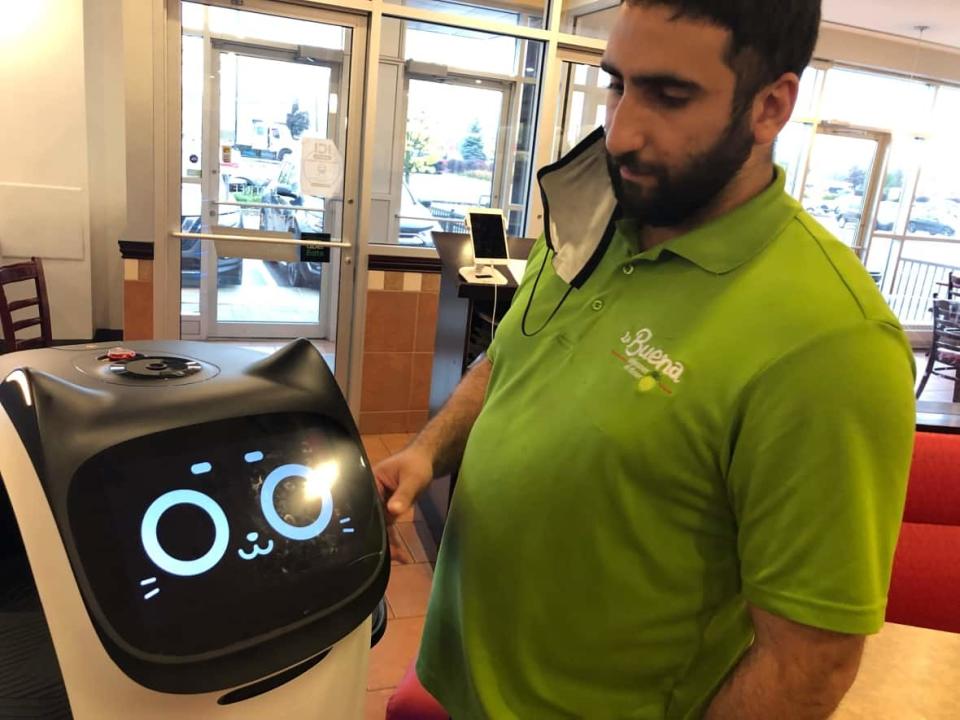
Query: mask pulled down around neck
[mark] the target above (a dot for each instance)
(580, 209)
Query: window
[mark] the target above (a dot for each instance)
(876, 101)
(527, 14)
(455, 129)
(936, 207)
(589, 19)
(583, 98)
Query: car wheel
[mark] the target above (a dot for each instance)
(294, 277)
(283, 153)
(912, 227)
(842, 222)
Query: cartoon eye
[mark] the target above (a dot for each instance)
(160, 557)
(316, 484)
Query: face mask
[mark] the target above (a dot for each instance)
(579, 208)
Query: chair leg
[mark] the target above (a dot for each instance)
(926, 373)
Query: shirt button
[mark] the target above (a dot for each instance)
(628, 269)
(597, 305)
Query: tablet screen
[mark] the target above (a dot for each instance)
(489, 236)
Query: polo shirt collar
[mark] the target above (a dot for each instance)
(726, 243)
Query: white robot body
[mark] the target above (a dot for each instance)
(110, 673)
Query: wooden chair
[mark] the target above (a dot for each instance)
(944, 358)
(952, 286)
(24, 272)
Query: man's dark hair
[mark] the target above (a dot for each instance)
(768, 37)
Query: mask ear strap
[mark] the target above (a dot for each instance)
(533, 292)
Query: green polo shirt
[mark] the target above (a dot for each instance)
(721, 420)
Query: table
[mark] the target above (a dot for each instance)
(464, 315)
(907, 673)
(938, 417)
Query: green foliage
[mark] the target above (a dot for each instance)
(471, 148)
(298, 121)
(417, 154)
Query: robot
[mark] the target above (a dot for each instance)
(187, 530)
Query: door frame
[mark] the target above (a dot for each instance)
(167, 172)
(210, 324)
(466, 80)
(872, 190)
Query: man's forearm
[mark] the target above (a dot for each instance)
(763, 687)
(445, 436)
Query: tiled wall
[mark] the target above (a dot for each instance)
(137, 299)
(398, 343)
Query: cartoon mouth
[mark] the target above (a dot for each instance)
(256, 550)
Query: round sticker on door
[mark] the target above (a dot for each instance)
(321, 167)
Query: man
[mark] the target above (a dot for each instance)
(689, 441)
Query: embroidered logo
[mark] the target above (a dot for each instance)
(650, 365)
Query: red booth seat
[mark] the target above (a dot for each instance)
(925, 587)
(411, 701)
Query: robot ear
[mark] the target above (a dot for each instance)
(48, 390)
(28, 394)
(26, 391)
(297, 364)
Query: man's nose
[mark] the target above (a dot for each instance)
(626, 129)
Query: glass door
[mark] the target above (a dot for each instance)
(452, 160)
(266, 165)
(842, 183)
(583, 102)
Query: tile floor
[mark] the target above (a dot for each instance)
(414, 553)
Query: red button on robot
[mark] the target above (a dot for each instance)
(121, 353)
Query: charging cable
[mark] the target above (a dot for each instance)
(493, 318)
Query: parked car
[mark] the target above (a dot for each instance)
(416, 220)
(292, 217)
(229, 269)
(284, 190)
(852, 214)
(930, 225)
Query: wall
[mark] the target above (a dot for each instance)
(138, 75)
(44, 176)
(888, 52)
(61, 68)
(106, 151)
(401, 326)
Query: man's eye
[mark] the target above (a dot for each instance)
(672, 101)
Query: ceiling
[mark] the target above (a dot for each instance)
(900, 17)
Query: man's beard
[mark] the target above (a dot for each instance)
(678, 196)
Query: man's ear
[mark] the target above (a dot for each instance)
(773, 106)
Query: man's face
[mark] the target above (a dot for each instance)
(673, 142)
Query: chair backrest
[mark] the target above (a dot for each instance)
(946, 324)
(24, 272)
(953, 286)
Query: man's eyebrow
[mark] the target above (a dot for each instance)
(657, 80)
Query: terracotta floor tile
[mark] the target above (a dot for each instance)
(392, 656)
(419, 541)
(375, 448)
(376, 708)
(409, 589)
(396, 442)
(400, 553)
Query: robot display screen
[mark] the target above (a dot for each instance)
(201, 537)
